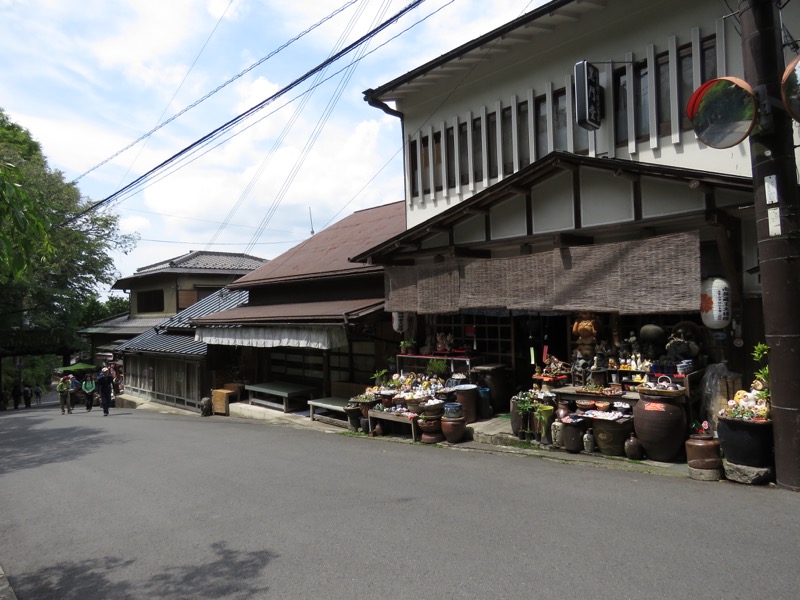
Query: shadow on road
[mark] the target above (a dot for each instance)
(26, 445)
(228, 574)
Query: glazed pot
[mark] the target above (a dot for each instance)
(747, 443)
(453, 410)
(353, 417)
(563, 409)
(703, 452)
(661, 428)
(633, 448)
(610, 436)
(429, 425)
(468, 396)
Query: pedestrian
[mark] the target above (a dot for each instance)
(74, 390)
(16, 395)
(105, 385)
(88, 386)
(64, 389)
(37, 391)
(27, 394)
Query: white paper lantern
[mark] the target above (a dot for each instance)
(399, 321)
(715, 303)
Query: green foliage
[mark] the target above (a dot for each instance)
(760, 352)
(49, 273)
(436, 366)
(408, 343)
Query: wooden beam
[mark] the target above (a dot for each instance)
(564, 240)
(461, 252)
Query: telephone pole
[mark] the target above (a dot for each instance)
(777, 212)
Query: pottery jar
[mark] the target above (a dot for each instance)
(702, 452)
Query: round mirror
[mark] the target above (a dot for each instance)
(790, 88)
(722, 111)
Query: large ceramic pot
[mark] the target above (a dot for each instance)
(610, 436)
(747, 443)
(429, 424)
(661, 427)
(572, 436)
(353, 417)
(453, 429)
(702, 452)
(468, 396)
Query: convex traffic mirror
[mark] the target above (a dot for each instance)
(790, 88)
(723, 111)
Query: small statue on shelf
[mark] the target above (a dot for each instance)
(444, 342)
(586, 328)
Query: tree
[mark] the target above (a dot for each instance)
(64, 265)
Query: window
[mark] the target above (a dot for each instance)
(641, 101)
(491, 142)
(709, 59)
(523, 139)
(150, 301)
(477, 150)
(540, 106)
(426, 166)
(620, 107)
(437, 161)
(560, 119)
(508, 141)
(662, 80)
(463, 153)
(685, 83)
(413, 167)
(450, 148)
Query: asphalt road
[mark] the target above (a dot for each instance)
(148, 505)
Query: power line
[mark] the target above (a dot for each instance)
(217, 89)
(219, 130)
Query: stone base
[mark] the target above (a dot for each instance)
(705, 474)
(748, 475)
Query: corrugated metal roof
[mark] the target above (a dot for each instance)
(327, 253)
(153, 341)
(124, 325)
(162, 338)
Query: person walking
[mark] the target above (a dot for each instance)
(37, 391)
(16, 395)
(88, 386)
(104, 385)
(64, 390)
(74, 390)
(27, 395)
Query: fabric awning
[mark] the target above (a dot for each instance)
(319, 325)
(320, 337)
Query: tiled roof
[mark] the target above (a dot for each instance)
(326, 254)
(298, 312)
(220, 261)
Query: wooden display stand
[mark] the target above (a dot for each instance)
(220, 401)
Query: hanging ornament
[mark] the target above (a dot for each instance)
(715, 302)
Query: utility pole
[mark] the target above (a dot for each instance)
(777, 212)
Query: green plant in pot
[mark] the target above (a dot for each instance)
(436, 367)
(744, 427)
(522, 406)
(407, 346)
(379, 377)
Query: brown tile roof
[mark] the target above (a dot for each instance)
(202, 260)
(326, 253)
(298, 312)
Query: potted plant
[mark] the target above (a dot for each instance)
(436, 367)
(408, 346)
(744, 427)
(522, 405)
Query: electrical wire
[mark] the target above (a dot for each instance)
(248, 113)
(218, 88)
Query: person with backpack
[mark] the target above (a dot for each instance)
(105, 386)
(37, 391)
(88, 386)
(27, 395)
(64, 390)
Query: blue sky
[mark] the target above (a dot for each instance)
(89, 77)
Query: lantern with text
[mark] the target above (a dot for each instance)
(715, 303)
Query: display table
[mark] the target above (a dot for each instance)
(384, 416)
(571, 392)
(284, 390)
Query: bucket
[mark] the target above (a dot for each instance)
(468, 395)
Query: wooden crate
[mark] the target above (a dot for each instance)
(220, 401)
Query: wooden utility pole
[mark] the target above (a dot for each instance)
(777, 210)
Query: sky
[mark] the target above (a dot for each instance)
(88, 78)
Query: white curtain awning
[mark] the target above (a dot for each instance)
(320, 337)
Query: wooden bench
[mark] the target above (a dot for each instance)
(342, 392)
(384, 416)
(281, 389)
(332, 404)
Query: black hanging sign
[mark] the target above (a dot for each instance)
(588, 96)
